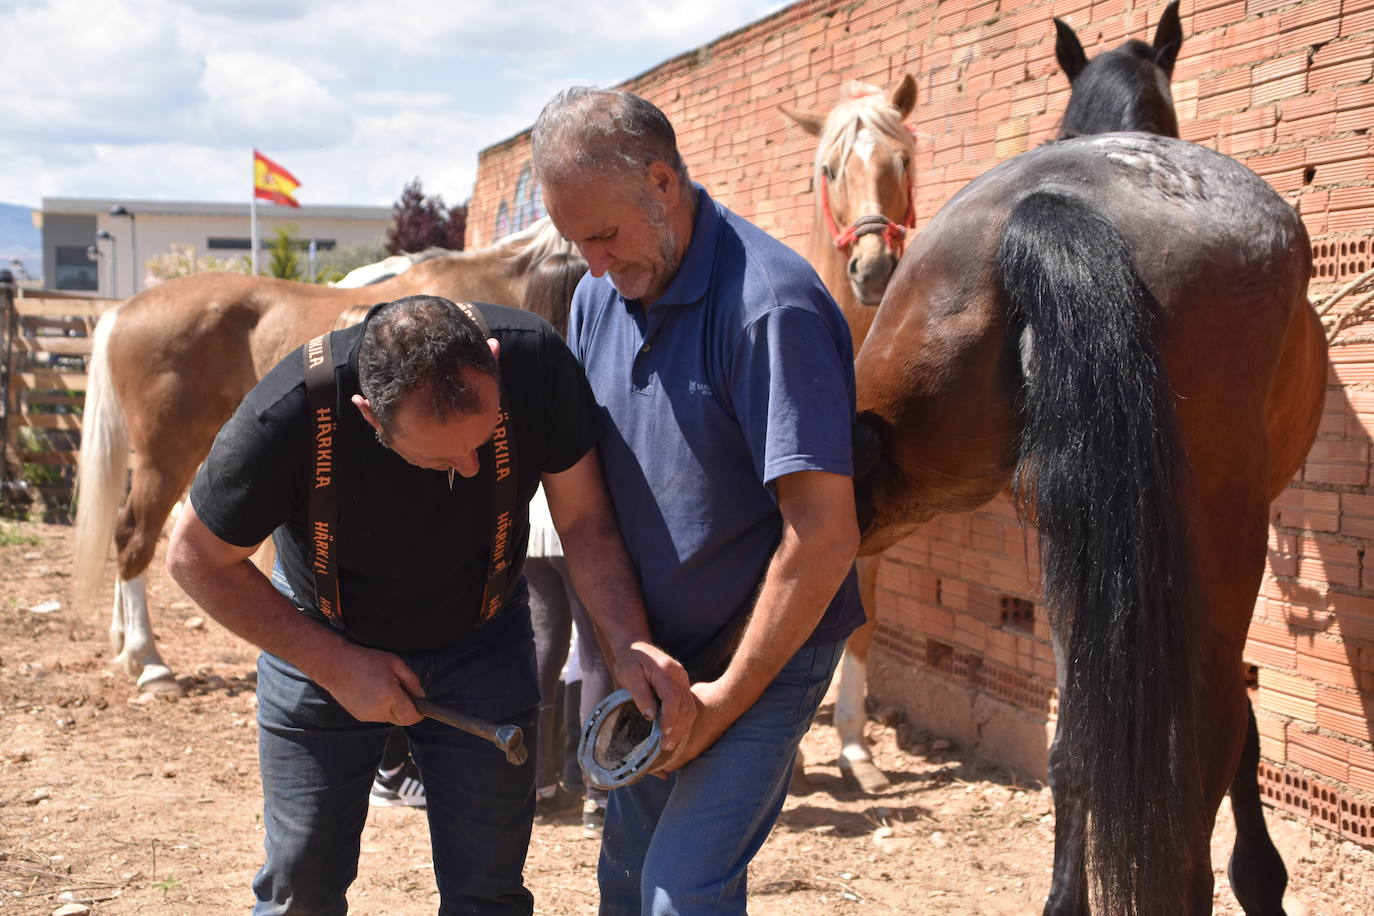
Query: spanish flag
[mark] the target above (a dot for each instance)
(272, 182)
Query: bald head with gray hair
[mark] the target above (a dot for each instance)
(607, 134)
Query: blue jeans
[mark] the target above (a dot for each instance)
(683, 845)
(318, 763)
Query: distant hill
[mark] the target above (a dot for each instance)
(19, 239)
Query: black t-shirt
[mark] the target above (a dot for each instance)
(412, 554)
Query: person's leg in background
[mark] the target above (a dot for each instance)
(397, 782)
(551, 619)
(596, 686)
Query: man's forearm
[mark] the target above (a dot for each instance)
(605, 580)
(242, 599)
(806, 571)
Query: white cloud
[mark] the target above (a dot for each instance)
(164, 98)
(266, 98)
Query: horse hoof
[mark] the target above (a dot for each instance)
(869, 779)
(161, 683)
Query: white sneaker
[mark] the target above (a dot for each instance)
(400, 787)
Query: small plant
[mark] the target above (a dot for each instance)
(168, 883)
(283, 260)
(11, 537)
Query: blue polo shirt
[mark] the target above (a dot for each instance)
(740, 373)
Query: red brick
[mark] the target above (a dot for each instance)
(1351, 71)
(1311, 509)
(1322, 671)
(1273, 734)
(1277, 89)
(1305, 36)
(1353, 23)
(1308, 13)
(1362, 779)
(1353, 726)
(1309, 759)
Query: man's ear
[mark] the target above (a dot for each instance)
(365, 409)
(492, 344)
(662, 180)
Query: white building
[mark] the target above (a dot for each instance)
(102, 246)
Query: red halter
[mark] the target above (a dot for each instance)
(894, 234)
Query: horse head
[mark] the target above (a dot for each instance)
(865, 182)
(1123, 89)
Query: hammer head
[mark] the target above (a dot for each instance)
(511, 739)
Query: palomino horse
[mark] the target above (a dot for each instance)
(864, 182)
(1115, 326)
(170, 365)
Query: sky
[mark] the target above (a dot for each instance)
(165, 99)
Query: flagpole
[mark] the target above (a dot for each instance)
(253, 215)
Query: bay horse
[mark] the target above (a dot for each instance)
(865, 182)
(1115, 327)
(171, 364)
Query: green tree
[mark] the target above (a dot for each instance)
(283, 260)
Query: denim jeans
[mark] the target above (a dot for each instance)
(318, 763)
(683, 845)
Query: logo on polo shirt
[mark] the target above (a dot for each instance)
(701, 388)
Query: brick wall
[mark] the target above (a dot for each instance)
(1283, 86)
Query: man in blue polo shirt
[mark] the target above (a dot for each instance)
(724, 371)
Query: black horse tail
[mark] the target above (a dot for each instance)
(1100, 470)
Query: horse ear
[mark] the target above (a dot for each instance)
(1068, 50)
(903, 98)
(1168, 38)
(809, 121)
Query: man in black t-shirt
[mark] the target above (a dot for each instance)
(420, 392)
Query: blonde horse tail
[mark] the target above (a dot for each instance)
(102, 465)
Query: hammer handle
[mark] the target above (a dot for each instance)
(459, 720)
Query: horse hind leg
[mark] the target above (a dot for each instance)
(851, 714)
(1069, 883)
(1256, 871)
(136, 533)
(138, 653)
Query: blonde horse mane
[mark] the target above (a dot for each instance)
(532, 244)
(864, 106)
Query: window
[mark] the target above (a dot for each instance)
(502, 220)
(214, 243)
(537, 204)
(224, 243)
(75, 269)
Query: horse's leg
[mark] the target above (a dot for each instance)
(851, 713)
(1257, 873)
(156, 484)
(1069, 882)
(139, 655)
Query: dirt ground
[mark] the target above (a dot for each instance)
(141, 804)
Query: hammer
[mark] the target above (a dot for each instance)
(508, 738)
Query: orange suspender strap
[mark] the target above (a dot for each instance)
(497, 459)
(322, 393)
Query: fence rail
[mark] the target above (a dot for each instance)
(44, 347)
